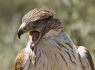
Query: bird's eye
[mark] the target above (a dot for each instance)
(37, 22)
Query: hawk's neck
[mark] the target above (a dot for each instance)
(56, 50)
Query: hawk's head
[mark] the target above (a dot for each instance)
(38, 22)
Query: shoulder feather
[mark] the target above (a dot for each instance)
(21, 60)
(85, 58)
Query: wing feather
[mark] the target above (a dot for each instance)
(85, 58)
(22, 61)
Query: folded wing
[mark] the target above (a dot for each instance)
(85, 58)
(22, 60)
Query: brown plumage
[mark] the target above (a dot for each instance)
(49, 48)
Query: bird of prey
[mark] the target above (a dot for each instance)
(49, 48)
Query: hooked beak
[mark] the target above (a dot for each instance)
(21, 30)
(34, 34)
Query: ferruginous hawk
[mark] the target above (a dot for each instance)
(49, 48)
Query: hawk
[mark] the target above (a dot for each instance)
(49, 48)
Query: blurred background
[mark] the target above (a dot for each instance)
(77, 17)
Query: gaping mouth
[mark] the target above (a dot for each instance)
(34, 37)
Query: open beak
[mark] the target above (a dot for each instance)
(34, 35)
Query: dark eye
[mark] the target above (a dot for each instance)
(37, 22)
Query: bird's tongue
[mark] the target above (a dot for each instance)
(34, 37)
